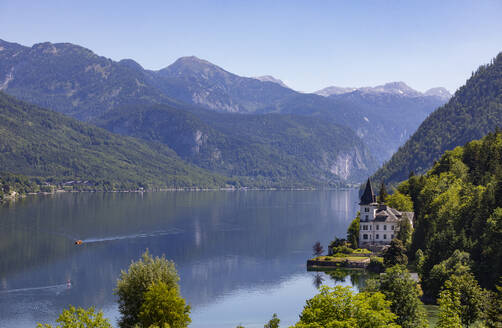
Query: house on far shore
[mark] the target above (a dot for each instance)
(379, 223)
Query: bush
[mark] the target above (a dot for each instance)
(164, 306)
(134, 283)
(81, 318)
(341, 307)
(342, 249)
(376, 264)
(362, 251)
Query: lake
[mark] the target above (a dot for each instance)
(240, 254)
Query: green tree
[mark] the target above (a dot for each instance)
(449, 303)
(395, 254)
(353, 232)
(133, 284)
(273, 323)
(405, 231)
(493, 313)
(419, 260)
(341, 307)
(457, 264)
(471, 297)
(163, 306)
(404, 293)
(382, 195)
(400, 202)
(79, 318)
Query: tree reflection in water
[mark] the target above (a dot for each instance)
(357, 277)
(318, 280)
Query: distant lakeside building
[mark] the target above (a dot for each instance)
(379, 223)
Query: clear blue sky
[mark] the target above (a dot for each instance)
(308, 44)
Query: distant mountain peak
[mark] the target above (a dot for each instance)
(131, 64)
(270, 78)
(439, 92)
(334, 90)
(190, 65)
(399, 88)
(192, 60)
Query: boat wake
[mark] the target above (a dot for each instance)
(133, 236)
(51, 288)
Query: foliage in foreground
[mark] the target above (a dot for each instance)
(79, 318)
(404, 293)
(341, 307)
(163, 306)
(273, 323)
(135, 283)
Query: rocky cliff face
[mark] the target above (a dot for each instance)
(269, 148)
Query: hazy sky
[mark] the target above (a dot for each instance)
(308, 44)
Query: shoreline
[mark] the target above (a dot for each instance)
(18, 196)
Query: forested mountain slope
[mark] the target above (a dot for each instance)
(458, 206)
(266, 150)
(474, 110)
(40, 142)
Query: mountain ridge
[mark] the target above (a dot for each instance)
(79, 83)
(397, 87)
(474, 111)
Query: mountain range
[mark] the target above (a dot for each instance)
(74, 81)
(474, 111)
(398, 88)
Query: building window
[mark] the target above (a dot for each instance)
(377, 236)
(392, 237)
(365, 236)
(366, 209)
(366, 218)
(384, 227)
(377, 227)
(384, 236)
(392, 227)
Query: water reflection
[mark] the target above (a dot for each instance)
(228, 247)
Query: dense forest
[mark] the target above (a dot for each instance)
(458, 215)
(474, 110)
(42, 143)
(14, 185)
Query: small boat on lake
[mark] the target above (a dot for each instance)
(78, 242)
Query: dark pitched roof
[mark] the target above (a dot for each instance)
(368, 196)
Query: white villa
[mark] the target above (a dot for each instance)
(379, 223)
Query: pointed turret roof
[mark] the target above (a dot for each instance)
(368, 196)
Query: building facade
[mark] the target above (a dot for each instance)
(379, 223)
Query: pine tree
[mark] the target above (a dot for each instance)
(382, 195)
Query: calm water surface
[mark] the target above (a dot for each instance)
(240, 255)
